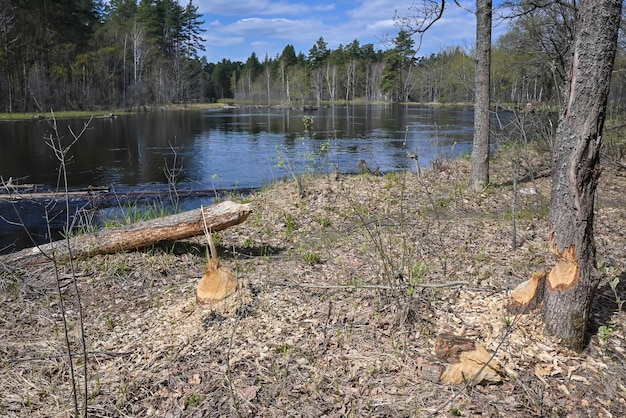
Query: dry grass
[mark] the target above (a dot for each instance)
(292, 343)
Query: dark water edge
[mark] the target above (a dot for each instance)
(31, 222)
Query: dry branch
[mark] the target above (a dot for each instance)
(383, 287)
(139, 235)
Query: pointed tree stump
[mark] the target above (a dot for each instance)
(138, 235)
(528, 295)
(218, 282)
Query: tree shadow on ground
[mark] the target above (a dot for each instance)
(186, 247)
(605, 304)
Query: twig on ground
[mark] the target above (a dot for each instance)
(383, 287)
(51, 356)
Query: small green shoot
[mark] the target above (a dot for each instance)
(109, 323)
(312, 258)
(194, 400)
(325, 222)
(620, 303)
(291, 224)
(456, 412)
(604, 333)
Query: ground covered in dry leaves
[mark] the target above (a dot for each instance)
(333, 318)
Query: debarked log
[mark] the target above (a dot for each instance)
(135, 236)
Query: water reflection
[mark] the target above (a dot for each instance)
(221, 149)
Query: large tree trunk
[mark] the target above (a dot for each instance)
(573, 281)
(138, 235)
(480, 149)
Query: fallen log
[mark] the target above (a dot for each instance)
(138, 235)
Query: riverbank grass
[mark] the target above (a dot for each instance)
(82, 114)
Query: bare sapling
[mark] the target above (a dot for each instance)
(218, 282)
(522, 131)
(61, 153)
(172, 174)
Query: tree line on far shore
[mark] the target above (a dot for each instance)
(129, 54)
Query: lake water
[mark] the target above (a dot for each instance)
(240, 148)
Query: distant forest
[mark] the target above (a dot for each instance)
(129, 54)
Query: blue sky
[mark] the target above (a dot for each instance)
(236, 28)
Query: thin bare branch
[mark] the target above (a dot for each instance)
(383, 287)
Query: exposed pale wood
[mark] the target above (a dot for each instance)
(139, 235)
(529, 294)
(564, 275)
(474, 367)
(468, 361)
(218, 282)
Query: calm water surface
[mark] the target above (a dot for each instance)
(216, 149)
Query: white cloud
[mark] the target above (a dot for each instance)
(278, 28)
(221, 41)
(378, 9)
(250, 7)
(384, 25)
(324, 7)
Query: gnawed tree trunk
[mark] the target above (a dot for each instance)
(572, 282)
(138, 235)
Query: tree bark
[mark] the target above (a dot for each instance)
(480, 149)
(141, 234)
(572, 282)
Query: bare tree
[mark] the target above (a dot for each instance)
(545, 31)
(574, 279)
(268, 79)
(351, 67)
(330, 74)
(138, 51)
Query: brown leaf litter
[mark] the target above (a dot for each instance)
(331, 319)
